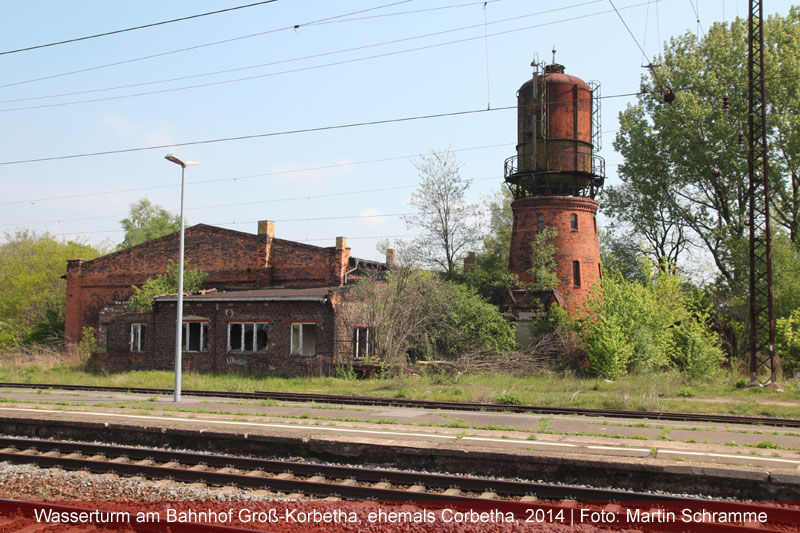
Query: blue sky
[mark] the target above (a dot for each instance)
(318, 185)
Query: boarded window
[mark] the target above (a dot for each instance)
(576, 274)
(362, 341)
(304, 339)
(247, 337)
(195, 337)
(573, 222)
(540, 222)
(138, 337)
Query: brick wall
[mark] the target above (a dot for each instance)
(231, 259)
(581, 245)
(277, 360)
(298, 264)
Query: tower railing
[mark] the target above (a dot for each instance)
(597, 166)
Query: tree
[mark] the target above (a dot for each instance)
(684, 172)
(31, 284)
(647, 326)
(415, 314)
(497, 241)
(147, 221)
(447, 220)
(166, 283)
(543, 260)
(491, 278)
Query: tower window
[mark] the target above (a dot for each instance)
(576, 274)
(573, 222)
(594, 221)
(540, 222)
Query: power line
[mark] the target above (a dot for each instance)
(328, 20)
(115, 32)
(292, 71)
(273, 200)
(257, 136)
(251, 176)
(280, 133)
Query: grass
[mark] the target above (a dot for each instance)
(656, 392)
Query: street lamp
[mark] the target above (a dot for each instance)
(179, 328)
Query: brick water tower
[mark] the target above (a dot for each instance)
(554, 178)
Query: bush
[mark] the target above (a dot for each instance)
(647, 326)
(607, 348)
(787, 341)
(166, 283)
(49, 331)
(473, 324)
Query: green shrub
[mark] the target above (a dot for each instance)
(607, 348)
(647, 326)
(475, 324)
(787, 335)
(508, 398)
(166, 283)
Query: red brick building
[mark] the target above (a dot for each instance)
(269, 305)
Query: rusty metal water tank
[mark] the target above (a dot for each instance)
(557, 123)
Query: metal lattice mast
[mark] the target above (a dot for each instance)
(762, 319)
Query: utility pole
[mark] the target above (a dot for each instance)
(762, 317)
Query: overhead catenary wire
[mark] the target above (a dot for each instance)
(278, 133)
(290, 71)
(635, 40)
(327, 20)
(239, 204)
(249, 176)
(143, 26)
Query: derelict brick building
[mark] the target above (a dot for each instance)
(271, 305)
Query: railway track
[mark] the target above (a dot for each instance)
(300, 480)
(454, 406)
(309, 479)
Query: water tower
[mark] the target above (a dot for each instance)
(554, 178)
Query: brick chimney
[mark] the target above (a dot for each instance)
(266, 227)
(469, 262)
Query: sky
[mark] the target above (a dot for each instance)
(286, 66)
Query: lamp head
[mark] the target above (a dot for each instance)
(178, 161)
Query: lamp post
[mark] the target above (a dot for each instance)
(179, 327)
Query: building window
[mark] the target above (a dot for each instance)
(594, 221)
(576, 274)
(540, 222)
(138, 337)
(362, 341)
(248, 337)
(600, 270)
(573, 222)
(304, 339)
(195, 337)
